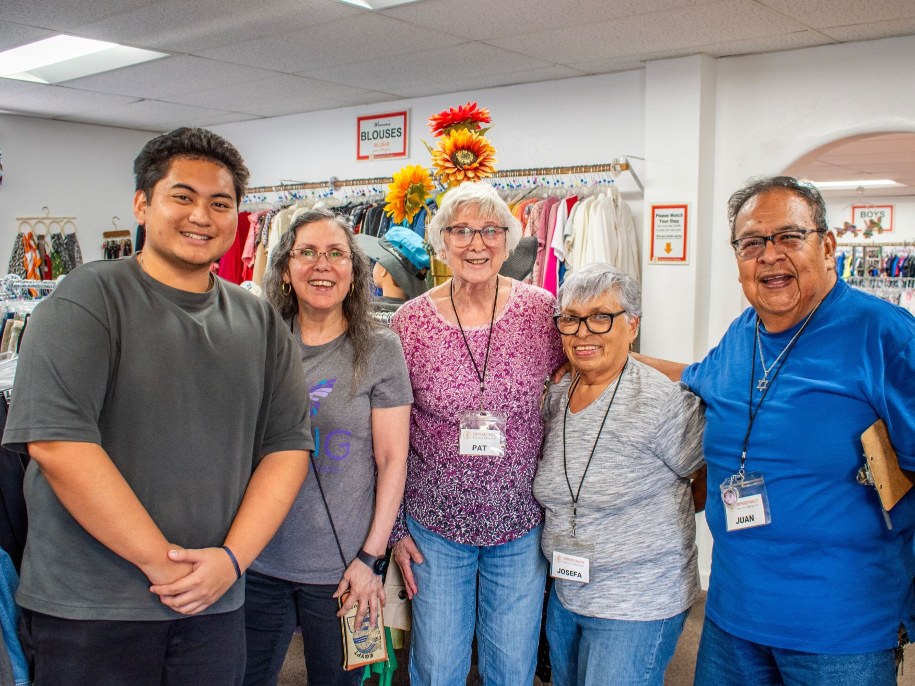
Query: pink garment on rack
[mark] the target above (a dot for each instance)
(548, 255)
(248, 254)
(551, 268)
(541, 228)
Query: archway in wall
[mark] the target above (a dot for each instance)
(861, 158)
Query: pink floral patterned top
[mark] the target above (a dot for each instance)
(476, 500)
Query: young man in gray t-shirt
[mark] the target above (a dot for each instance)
(166, 415)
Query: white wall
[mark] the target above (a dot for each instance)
(774, 108)
(573, 121)
(73, 169)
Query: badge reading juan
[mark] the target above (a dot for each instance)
(746, 504)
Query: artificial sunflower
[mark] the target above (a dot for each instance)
(467, 117)
(463, 155)
(407, 193)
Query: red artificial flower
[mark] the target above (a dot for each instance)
(467, 117)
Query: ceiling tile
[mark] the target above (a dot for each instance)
(824, 13)
(489, 81)
(281, 94)
(169, 76)
(468, 60)
(150, 115)
(62, 16)
(356, 39)
(787, 41)
(627, 63)
(42, 100)
(882, 29)
(13, 35)
(191, 26)
(664, 30)
(483, 19)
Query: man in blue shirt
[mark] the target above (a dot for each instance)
(808, 585)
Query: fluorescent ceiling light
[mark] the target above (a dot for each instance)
(862, 183)
(61, 58)
(377, 4)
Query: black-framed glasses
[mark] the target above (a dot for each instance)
(462, 236)
(599, 322)
(312, 256)
(790, 240)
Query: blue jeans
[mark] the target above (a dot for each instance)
(591, 651)
(726, 659)
(273, 608)
(496, 591)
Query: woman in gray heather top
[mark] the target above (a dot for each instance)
(360, 408)
(621, 442)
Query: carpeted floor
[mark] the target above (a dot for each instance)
(679, 673)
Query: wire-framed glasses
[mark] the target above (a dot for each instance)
(462, 236)
(310, 255)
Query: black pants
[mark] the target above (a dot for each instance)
(205, 649)
(273, 608)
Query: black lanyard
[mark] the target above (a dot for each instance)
(480, 377)
(755, 411)
(565, 467)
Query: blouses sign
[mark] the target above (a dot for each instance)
(381, 136)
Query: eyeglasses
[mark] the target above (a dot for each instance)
(751, 247)
(599, 322)
(462, 236)
(312, 256)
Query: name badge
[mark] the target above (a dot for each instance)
(746, 503)
(570, 567)
(482, 434)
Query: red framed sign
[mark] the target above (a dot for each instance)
(381, 136)
(669, 230)
(882, 214)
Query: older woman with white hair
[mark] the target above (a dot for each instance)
(478, 349)
(621, 443)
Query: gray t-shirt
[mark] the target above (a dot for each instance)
(635, 505)
(185, 391)
(304, 550)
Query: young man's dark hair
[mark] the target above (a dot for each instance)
(152, 164)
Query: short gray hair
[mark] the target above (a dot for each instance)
(764, 184)
(487, 203)
(597, 280)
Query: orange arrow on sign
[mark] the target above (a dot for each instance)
(667, 248)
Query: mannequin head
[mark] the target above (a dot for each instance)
(383, 280)
(401, 262)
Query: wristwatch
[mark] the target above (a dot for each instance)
(379, 565)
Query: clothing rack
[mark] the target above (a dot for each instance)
(881, 281)
(615, 167)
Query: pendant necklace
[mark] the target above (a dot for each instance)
(763, 383)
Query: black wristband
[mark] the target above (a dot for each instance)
(234, 561)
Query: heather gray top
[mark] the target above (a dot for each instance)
(635, 505)
(304, 549)
(185, 391)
